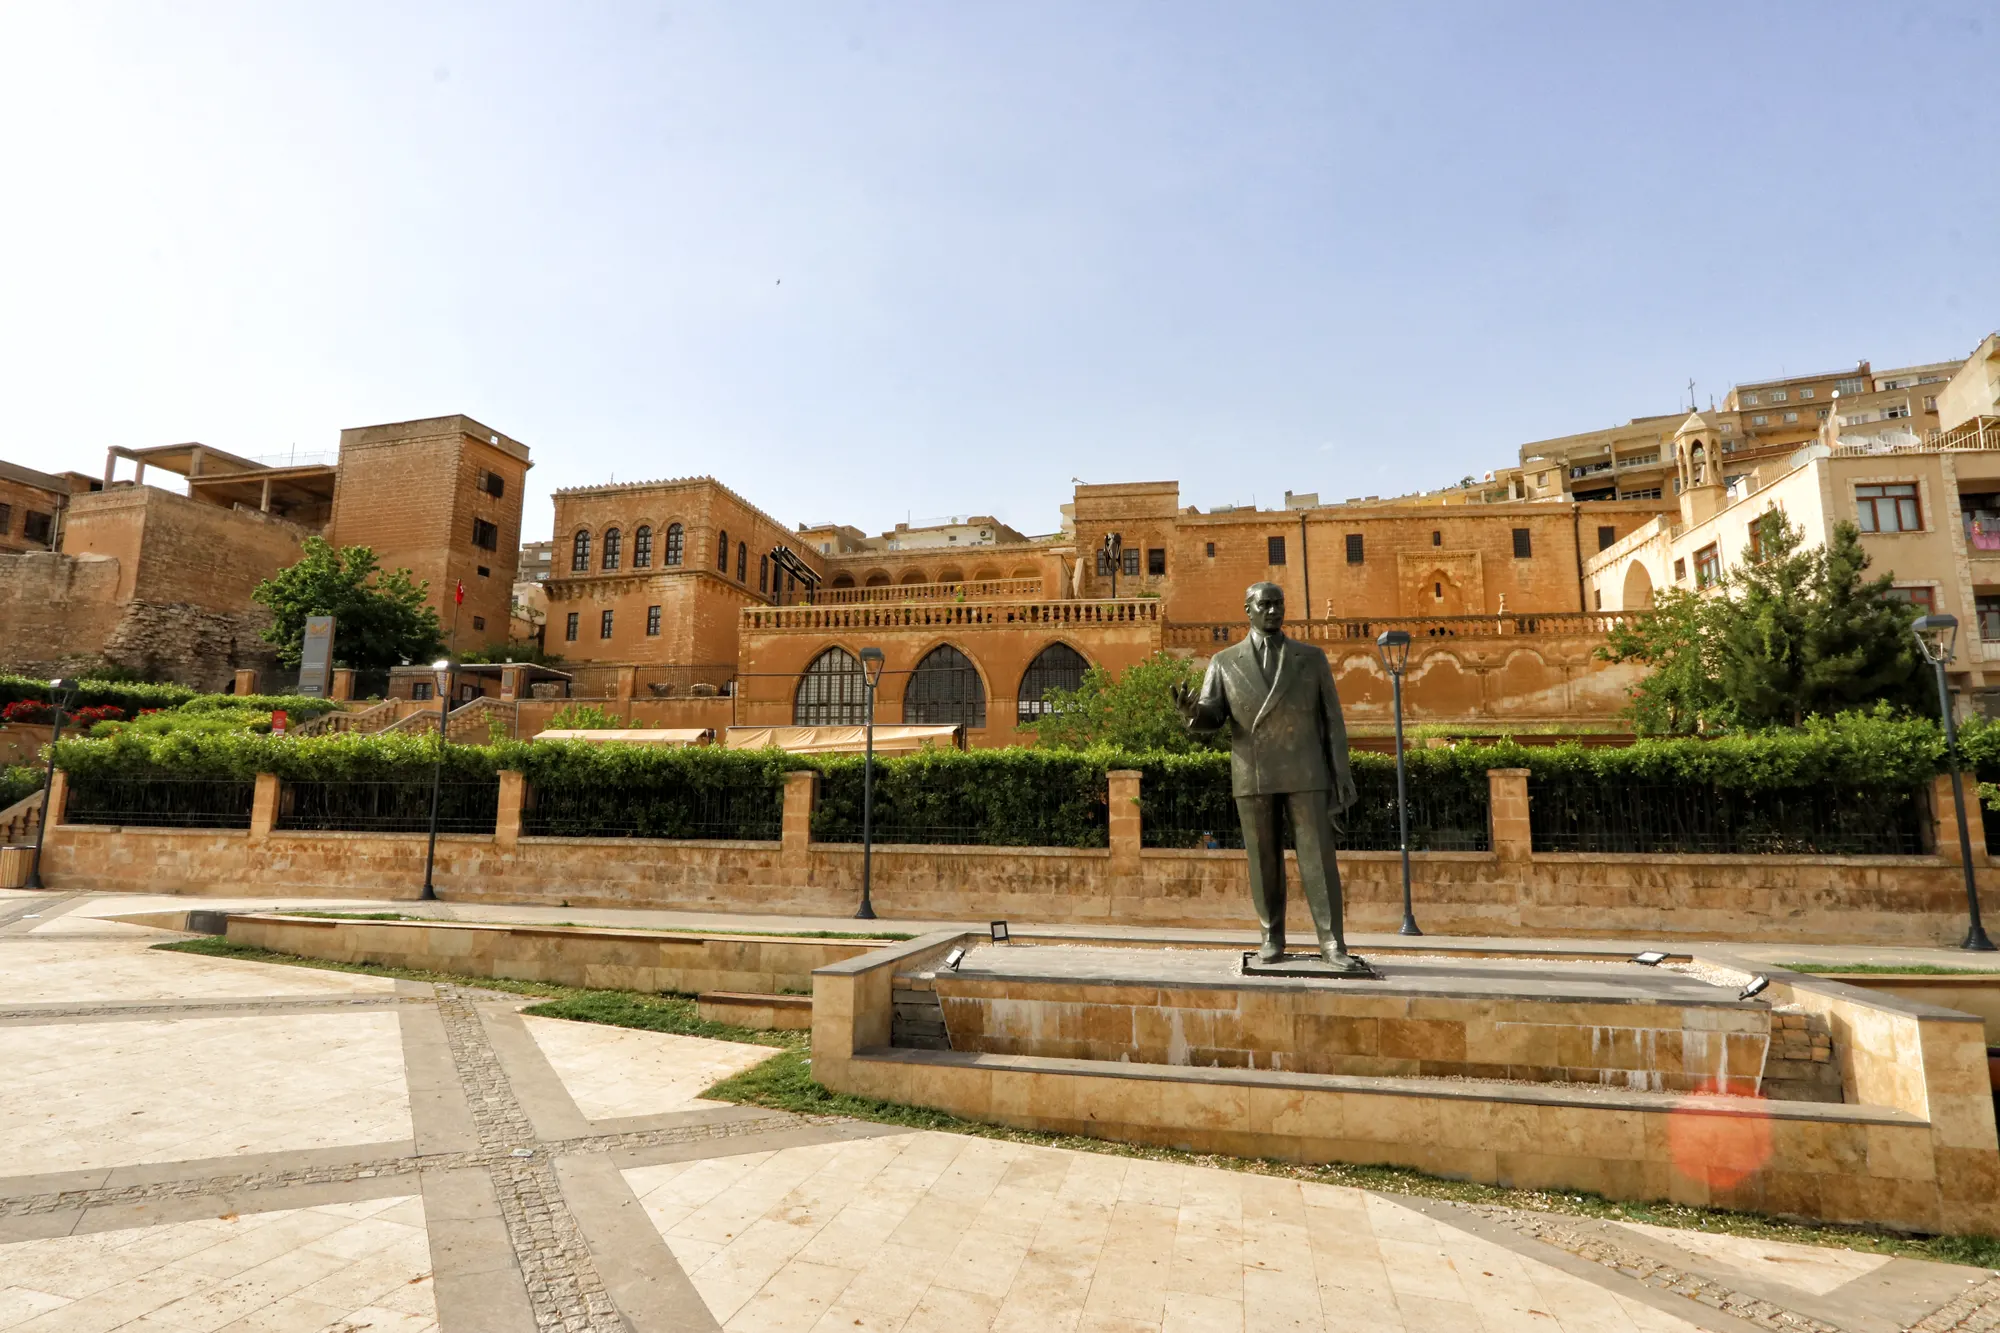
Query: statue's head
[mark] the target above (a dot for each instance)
(1264, 603)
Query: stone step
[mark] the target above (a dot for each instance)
(747, 1009)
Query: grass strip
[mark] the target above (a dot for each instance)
(1893, 969)
(599, 925)
(785, 1083)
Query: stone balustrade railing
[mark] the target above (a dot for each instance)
(1135, 612)
(976, 590)
(1215, 634)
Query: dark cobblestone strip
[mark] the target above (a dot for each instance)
(1978, 1311)
(23, 1205)
(1601, 1249)
(564, 1287)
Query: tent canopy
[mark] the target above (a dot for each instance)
(632, 736)
(892, 739)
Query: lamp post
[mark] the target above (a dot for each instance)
(61, 693)
(1937, 638)
(1393, 645)
(871, 676)
(441, 673)
(1114, 555)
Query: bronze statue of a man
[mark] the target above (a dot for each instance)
(1288, 747)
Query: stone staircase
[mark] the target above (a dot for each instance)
(363, 721)
(468, 724)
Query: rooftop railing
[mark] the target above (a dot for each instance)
(976, 590)
(1216, 634)
(1137, 611)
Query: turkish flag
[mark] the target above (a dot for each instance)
(459, 596)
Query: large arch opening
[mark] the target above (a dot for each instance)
(833, 692)
(945, 688)
(1638, 594)
(915, 576)
(842, 581)
(1056, 667)
(878, 580)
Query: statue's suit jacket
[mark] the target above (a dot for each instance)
(1287, 733)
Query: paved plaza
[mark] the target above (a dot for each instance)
(210, 1144)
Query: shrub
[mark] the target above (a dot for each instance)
(584, 717)
(41, 714)
(130, 695)
(580, 789)
(1006, 798)
(18, 783)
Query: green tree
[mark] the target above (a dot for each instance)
(1793, 632)
(1130, 711)
(381, 617)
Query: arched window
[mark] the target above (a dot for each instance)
(742, 561)
(722, 550)
(945, 687)
(833, 692)
(613, 542)
(1056, 667)
(878, 580)
(642, 547)
(675, 538)
(579, 554)
(763, 573)
(842, 581)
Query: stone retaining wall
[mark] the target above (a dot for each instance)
(1509, 891)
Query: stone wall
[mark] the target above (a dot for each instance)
(1510, 891)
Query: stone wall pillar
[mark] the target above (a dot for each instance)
(1507, 794)
(628, 683)
(264, 807)
(246, 681)
(1944, 819)
(1125, 822)
(795, 837)
(343, 683)
(58, 802)
(513, 796)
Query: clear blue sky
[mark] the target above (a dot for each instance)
(870, 261)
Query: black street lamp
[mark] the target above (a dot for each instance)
(61, 693)
(1114, 555)
(1937, 638)
(871, 676)
(441, 673)
(1393, 645)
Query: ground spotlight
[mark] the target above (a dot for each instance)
(953, 959)
(1756, 986)
(1650, 958)
(999, 929)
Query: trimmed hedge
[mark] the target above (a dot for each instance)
(130, 695)
(579, 789)
(995, 798)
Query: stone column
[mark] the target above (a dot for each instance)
(58, 802)
(1944, 819)
(1507, 792)
(795, 838)
(1125, 830)
(513, 795)
(343, 683)
(264, 807)
(628, 683)
(246, 681)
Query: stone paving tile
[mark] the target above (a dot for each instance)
(363, 1265)
(42, 971)
(83, 1095)
(611, 1072)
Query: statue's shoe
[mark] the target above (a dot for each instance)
(1271, 950)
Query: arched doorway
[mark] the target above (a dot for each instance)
(945, 688)
(1638, 594)
(832, 692)
(1056, 667)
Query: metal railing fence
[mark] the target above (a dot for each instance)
(1587, 814)
(1448, 812)
(159, 802)
(387, 807)
(741, 810)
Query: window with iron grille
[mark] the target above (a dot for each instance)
(421, 690)
(1274, 550)
(6, 519)
(579, 554)
(1211, 550)
(1524, 545)
(1357, 549)
(1103, 563)
(493, 484)
(1131, 562)
(1056, 667)
(833, 692)
(1607, 536)
(652, 622)
(945, 688)
(742, 560)
(604, 626)
(1437, 537)
(1156, 561)
(479, 622)
(763, 573)
(722, 550)
(1890, 507)
(569, 627)
(642, 547)
(676, 537)
(614, 544)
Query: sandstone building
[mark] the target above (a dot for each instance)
(160, 583)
